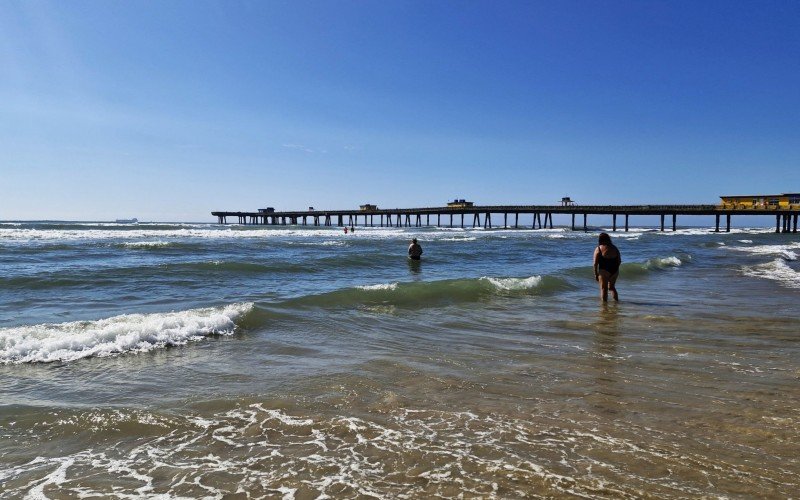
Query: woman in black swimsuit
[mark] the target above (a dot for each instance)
(607, 260)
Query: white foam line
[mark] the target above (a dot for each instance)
(509, 284)
(777, 270)
(116, 335)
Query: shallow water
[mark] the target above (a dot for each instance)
(197, 360)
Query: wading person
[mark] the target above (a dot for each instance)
(607, 260)
(414, 250)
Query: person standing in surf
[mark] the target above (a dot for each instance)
(607, 260)
(414, 250)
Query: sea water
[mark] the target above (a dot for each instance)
(194, 360)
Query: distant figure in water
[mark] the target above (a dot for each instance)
(345, 229)
(607, 260)
(414, 250)
(352, 229)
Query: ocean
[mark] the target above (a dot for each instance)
(208, 361)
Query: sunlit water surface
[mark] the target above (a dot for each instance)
(201, 361)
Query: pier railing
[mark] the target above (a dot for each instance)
(786, 218)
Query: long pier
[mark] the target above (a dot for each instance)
(786, 219)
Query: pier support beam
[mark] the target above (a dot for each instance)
(584, 223)
(778, 223)
(451, 220)
(614, 222)
(505, 221)
(516, 220)
(476, 220)
(573, 222)
(728, 223)
(626, 223)
(795, 223)
(716, 228)
(674, 222)
(662, 222)
(487, 221)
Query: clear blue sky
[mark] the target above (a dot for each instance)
(169, 110)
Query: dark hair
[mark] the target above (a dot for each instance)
(413, 240)
(604, 239)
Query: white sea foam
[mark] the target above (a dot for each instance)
(359, 454)
(380, 286)
(777, 270)
(514, 283)
(459, 238)
(787, 251)
(665, 262)
(147, 244)
(116, 335)
(705, 231)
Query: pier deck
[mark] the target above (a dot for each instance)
(786, 220)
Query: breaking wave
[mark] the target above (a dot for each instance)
(128, 333)
(776, 270)
(641, 269)
(788, 252)
(433, 293)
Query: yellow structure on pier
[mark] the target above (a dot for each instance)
(462, 203)
(787, 201)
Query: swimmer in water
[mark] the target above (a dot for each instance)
(414, 250)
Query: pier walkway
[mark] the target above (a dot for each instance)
(481, 216)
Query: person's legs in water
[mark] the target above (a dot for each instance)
(603, 277)
(612, 285)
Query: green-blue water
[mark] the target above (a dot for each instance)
(202, 361)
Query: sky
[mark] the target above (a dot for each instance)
(167, 111)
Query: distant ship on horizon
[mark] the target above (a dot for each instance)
(127, 221)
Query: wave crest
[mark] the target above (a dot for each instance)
(514, 283)
(432, 293)
(776, 270)
(128, 333)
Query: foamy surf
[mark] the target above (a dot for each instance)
(787, 252)
(776, 270)
(128, 333)
(514, 283)
(147, 244)
(664, 262)
(379, 286)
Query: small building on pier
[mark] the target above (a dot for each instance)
(268, 210)
(462, 203)
(761, 201)
(368, 207)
